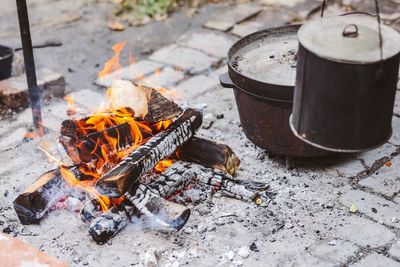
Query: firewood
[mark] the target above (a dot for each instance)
(89, 147)
(210, 154)
(37, 199)
(91, 210)
(114, 220)
(118, 181)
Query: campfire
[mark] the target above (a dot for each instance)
(137, 159)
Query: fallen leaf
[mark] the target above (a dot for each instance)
(116, 26)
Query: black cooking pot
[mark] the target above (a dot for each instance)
(6, 58)
(261, 70)
(346, 83)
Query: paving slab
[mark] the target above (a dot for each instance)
(211, 42)
(88, 99)
(386, 180)
(188, 59)
(376, 260)
(337, 251)
(346, 167)
(14, 90)
(373, 206)
(12, 138)
(196, 86)
(397, 104)
(395, 139)
(370, 157)
(364, 232)
(394, 251)
(130, 72)
(227, 20)
(167, 78)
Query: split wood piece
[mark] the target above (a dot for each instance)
(91, 210)
(38, 198)
(111, 222)
(210, 154)
(123, 176)
(162, 212)
(159, 108)
(218, 180)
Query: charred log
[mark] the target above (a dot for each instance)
(118, 181)
(89, 147)
(111, 222)
(38, 198)
(210, 154)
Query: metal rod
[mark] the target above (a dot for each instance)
(33, 89)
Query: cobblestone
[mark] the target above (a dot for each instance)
(376, 260)
(88, 99)
(131, 72)
(394, 251)
(338, 253)
(195, 86)
(210, 42)
(395, 139)
(188, 59)
(363, 232)
(386, 180)
(167, 77)
(375, 207)
(227, 20)
(370, 157)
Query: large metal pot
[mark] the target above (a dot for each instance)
(6, 58)
(261, 70)
(345, 88)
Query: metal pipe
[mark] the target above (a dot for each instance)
(33, 89)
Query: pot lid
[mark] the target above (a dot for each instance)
(349, 39)
(268, 56)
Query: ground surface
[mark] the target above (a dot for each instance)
(308, 222)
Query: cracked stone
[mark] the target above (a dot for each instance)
(376, 259)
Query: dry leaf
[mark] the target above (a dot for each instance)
(116, 25)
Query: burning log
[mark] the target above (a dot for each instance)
(38, 198)
(111, 222)
(118, 181)
(86, 148)
(210, 154)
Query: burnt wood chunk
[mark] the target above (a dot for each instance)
(119, 179)
(210, 154)
(37, 199)
(161, 211)
(114, 220)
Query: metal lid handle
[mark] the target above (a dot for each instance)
(350, 31)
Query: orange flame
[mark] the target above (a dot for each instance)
(113, 64)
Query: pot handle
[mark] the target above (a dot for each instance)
(226, 81)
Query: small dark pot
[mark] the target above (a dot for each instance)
(6, 59)
(265, 123)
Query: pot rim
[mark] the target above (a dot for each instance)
(285, 91)
(9, 52)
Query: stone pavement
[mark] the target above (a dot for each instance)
(341, 210)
